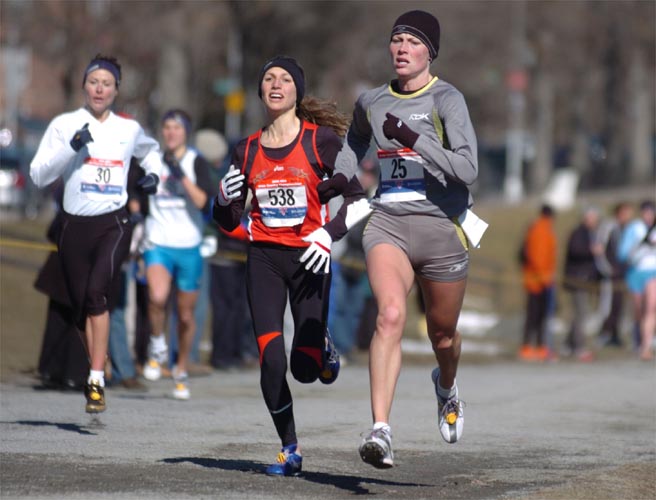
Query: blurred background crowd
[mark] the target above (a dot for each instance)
(549, 84)
(561, 95)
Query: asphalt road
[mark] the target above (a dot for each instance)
(559, 431)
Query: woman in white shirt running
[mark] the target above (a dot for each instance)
(91, 148)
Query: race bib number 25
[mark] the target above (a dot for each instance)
(401, 176)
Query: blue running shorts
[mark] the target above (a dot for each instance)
(185, 265)
(636, 279)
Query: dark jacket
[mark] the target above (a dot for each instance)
(580, 268)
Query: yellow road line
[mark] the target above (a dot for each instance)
(8, 242)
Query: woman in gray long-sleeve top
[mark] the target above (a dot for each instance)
(427, 152)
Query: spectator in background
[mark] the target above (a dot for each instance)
(142, 326)
(638, 249)
(138, 276)
(233, 345)
(581, 279)
(350, 285)
(538, 259)
(123, 370)
(613, 271)
(174, 231)
(63, 362)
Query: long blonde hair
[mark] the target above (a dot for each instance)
(324, 113)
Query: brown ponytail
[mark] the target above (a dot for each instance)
(323, 113)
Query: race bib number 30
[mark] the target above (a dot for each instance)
(282, 204)
(102, 178)
(401, 176)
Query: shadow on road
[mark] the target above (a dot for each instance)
(354, 484)
(63, 426)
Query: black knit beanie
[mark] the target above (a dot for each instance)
(292, 67)
(422, 25)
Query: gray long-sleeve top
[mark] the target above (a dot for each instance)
(446, 144)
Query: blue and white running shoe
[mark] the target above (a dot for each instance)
(289, 462)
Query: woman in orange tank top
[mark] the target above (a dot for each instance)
(280, 166)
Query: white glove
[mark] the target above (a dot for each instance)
(318, 253)
(357, 211)
(137, 241)
(229, 187)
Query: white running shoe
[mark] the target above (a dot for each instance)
(157, 354)
(181, 387)
(376, 448)
(152, 370)
(450, 417)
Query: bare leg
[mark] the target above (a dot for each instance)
(648, 321)
(159, 288)
(443, 303)
(97, 332)
(391, 277)
(186, 327)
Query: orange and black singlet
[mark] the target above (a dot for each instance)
(283, 182)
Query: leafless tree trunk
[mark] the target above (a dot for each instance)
(641, 121)
(173, 78)
(544, 134)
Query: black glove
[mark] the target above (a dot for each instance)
(81, 137)
(332, 187)
(394, 128)
(148, 183)
(136, 218)
(174, 165)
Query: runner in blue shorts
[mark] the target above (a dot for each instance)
(174, 231)
(637, 247)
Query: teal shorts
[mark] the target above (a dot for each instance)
(636, 279)
(185, 265)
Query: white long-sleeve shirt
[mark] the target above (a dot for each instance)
(173, 219)
(95, 178)
(633, 249)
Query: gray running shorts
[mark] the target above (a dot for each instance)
(435, 246)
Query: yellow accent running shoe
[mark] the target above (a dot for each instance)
(95, 395)
(450, 417)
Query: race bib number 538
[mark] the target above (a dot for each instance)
(401, 176)
(282, 204)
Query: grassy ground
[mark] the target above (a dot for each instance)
(494, 283)
(22, 308)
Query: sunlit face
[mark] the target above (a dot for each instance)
(100, 91)
(173, 134)
(278, 90)
(625, 214)
(648, 216)
(410, 56)
(591, 219)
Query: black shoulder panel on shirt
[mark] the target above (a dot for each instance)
(249, 155)
(308, 142)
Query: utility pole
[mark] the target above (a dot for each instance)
(234, 96)
(517, 81)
